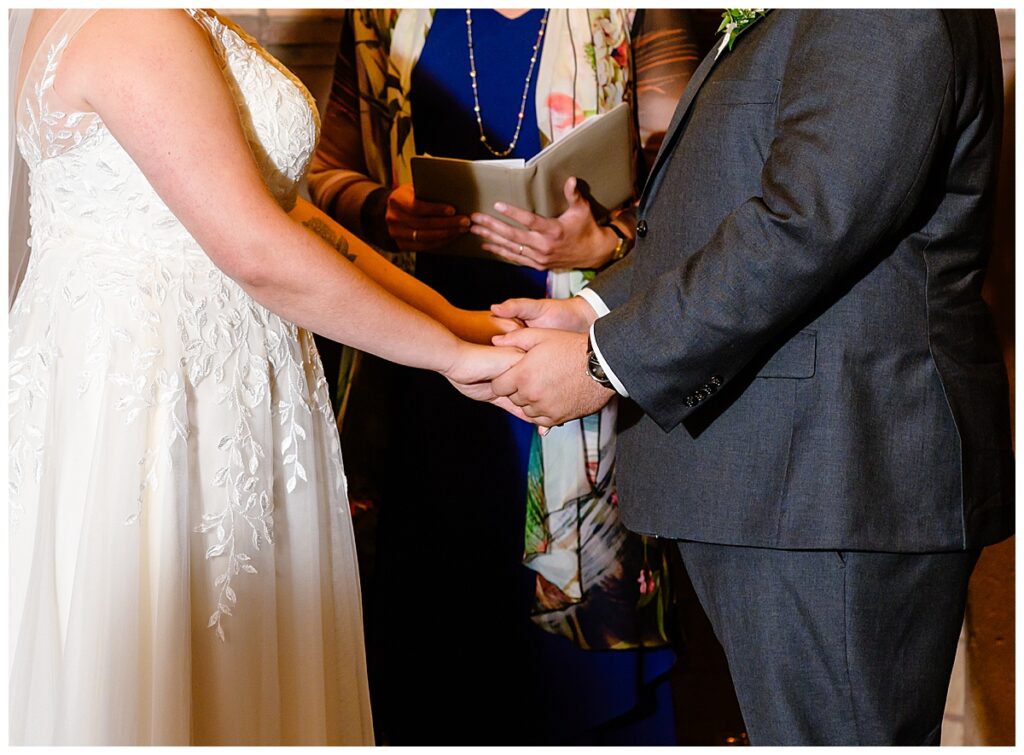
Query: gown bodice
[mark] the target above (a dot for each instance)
(83, 184)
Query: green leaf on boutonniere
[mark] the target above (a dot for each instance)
(734, 22)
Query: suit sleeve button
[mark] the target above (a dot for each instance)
(641, 228)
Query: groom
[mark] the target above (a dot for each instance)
(825, 420)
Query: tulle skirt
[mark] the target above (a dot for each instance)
(182, 566)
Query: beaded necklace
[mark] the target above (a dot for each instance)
(526, 87)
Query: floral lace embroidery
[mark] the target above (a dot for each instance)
(26, 392)
(45, 130)
(160, 321)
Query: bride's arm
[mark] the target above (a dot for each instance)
(155, 81)
(478, 327)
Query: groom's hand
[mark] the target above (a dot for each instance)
(573, 314)
(474, 368)
(485, 393)
(550, 384)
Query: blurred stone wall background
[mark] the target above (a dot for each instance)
(982, 690)
(980, 708)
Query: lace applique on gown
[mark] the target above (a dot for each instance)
(182, 562)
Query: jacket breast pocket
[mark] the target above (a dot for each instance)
(796, 358)
(740, 92)
(732, 128)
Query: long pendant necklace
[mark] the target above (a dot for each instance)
(526, 87)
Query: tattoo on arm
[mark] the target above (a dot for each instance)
(324, 231)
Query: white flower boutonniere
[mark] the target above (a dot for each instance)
(734, 21)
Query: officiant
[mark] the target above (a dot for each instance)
(465, 644)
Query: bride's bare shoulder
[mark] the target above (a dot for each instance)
(115, 41)
(115, 31)
(111, 23)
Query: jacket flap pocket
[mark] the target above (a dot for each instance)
(795, 359)
(740, 92)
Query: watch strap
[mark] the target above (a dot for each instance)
(624, 242)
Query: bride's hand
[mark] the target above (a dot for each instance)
(480, 364)
(476, 366)
(480, 326)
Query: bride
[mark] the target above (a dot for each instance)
(182, 568)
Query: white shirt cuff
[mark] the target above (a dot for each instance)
(616, 383)
(594, 300)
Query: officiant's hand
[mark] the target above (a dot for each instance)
(574, 314)
(572, 241)
(550, 385)
(418, 226)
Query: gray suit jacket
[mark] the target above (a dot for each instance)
(801, 321)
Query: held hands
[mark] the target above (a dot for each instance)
(573, 240)
(475, 366)
(418, 226)
(550, 384)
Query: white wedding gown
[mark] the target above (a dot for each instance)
(182, 566)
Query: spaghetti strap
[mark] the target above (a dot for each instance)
(55, 40)
(45, 127)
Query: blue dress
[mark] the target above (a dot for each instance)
(452, 519)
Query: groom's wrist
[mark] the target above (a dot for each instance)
(605, 367)
(595, 305)
(600, 309)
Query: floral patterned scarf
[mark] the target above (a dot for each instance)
(597, 583)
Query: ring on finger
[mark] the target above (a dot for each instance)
(521, 247)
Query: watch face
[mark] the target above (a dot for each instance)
(596, 371)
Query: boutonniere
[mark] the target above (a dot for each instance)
(734, 22)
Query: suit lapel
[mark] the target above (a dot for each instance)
(696, 81)
(685, 100)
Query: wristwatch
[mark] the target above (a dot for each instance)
(624, 242)
(594, 368)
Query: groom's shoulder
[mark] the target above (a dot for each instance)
(872, 20)
(972, 31)
(868, 24)
(917, 41)
(943, 27)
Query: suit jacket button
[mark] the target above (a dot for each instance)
(641, 228)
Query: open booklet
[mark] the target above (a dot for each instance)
(599, 152)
